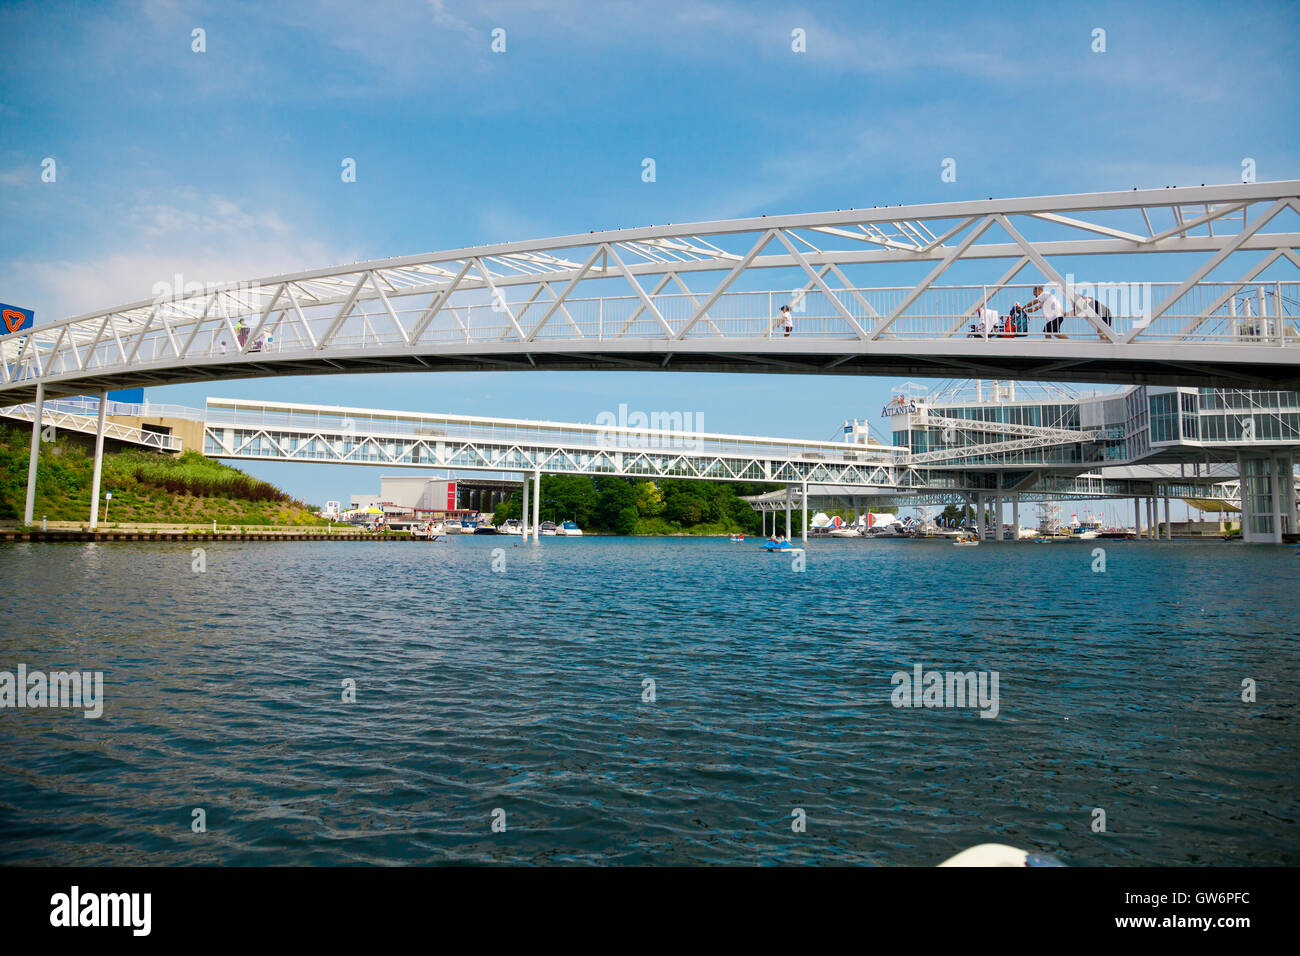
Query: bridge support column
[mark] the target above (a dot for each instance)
(1286, 499)
(523, 517)
(787, 512)
(979, 515)
(99, 461)
(805, 513)
(1267, 496)
(1169, 522)
(1153, 519)
(30, 506)
(1015, 517)
(1137, 518)
(537, 505)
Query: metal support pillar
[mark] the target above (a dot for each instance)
(1137, 517)
(537, 505)
(523, 517)
(99, 461)
(979, 515)
(1169, 523)
(30, 506)
(805, 512)
(787, 512)
(1015, 517)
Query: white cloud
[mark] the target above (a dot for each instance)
(208, 239)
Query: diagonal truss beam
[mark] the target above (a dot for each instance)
(1072, 298)
(499, 302)
(573, 284)
(1213, 263)
(1182, 228)
(953, 255)
(646, 303)
(821, 286)
(722, 287)
(440, 299)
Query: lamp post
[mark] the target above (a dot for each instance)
(108, 496)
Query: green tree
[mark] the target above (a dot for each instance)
(649, 499)
(625, 520)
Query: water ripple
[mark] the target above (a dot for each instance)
(522, 691)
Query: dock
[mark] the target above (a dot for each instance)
(129, 534)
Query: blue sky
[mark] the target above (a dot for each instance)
(225, 165)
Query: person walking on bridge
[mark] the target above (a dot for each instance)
(1046, 302)
(787, 320)
(1101, 310)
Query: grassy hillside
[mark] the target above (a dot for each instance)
(146, 486)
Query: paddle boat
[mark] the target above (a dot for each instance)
(773, 546)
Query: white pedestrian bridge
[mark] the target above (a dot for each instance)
(1180, 286)
(857, 466)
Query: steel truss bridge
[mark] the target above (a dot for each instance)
(276, 431)
(73, 417)
(706, 297)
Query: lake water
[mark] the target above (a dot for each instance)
(521, 689)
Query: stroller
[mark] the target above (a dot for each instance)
(1008, 326)
(1015, 324)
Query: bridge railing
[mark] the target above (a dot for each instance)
(1252, 313)
(90, 407)
(61, 418)
(1207, 312)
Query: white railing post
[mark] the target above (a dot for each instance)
(1277, 313)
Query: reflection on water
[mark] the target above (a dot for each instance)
(523, 691)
